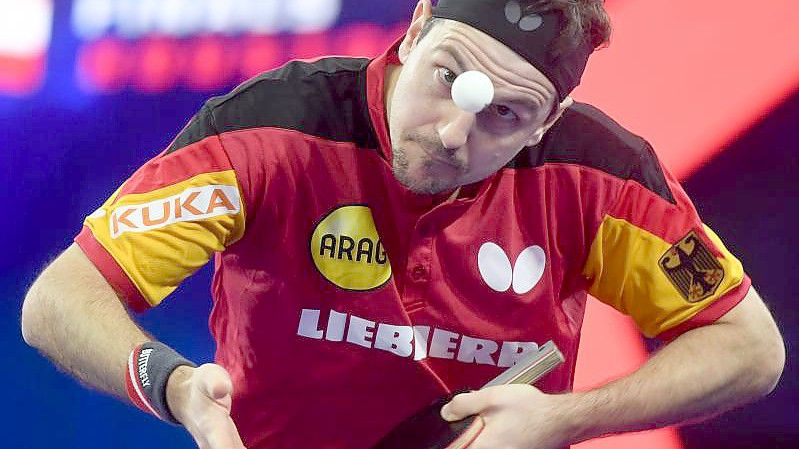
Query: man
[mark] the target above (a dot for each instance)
(378, 247)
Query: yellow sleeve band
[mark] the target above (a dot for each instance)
(161, 237)
(659, 284)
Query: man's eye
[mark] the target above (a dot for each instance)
(446, 75)
(504, 112)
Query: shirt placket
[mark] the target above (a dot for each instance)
(418, 266)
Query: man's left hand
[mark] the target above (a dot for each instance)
(515, 416)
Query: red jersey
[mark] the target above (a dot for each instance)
(343, 302)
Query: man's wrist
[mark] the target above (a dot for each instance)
(578, 416)
(150, 365)
(177, 390)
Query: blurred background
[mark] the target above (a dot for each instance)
(90, 89)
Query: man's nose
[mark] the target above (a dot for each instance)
(454, 132)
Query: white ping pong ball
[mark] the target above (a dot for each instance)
(472, 91)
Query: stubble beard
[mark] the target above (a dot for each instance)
(401, 168)
(425, 182)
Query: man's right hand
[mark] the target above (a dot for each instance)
(200, 398)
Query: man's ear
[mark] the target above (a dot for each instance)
(539, 133)
(422, 13)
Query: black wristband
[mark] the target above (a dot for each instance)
(149, 367)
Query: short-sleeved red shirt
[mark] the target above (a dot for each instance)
(343, 302)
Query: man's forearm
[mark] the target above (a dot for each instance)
(74, 318)
(701, 373)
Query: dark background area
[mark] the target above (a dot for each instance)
(749, 195)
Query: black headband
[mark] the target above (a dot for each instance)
(529, 34)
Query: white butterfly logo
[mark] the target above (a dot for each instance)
(530, 22)
(498, 273)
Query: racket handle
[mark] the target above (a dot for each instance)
(530, 368)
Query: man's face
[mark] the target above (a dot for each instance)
(438, 146)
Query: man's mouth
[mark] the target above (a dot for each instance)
(437, 157)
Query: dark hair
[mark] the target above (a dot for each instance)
(586, 21)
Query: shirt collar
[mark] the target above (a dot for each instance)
(375, 87)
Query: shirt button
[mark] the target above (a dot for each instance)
(418, 272)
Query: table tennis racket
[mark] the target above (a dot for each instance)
(426, 429)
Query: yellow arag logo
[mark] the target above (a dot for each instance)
(348, 252)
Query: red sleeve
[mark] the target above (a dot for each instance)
(653, 259)
(168, 218)
(111, 270)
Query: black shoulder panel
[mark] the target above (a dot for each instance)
(325, 98)
(587, 136)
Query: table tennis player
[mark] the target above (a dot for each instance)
(380, 241)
